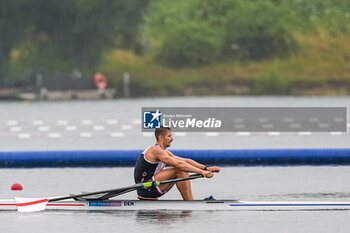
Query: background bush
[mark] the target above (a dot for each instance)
(189, 45)
(257, 30)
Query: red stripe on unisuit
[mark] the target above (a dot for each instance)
(32, 202)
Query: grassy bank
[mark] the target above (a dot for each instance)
(321, 66)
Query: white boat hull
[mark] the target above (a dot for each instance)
(116, 205)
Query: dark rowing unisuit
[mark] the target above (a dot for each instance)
(144, 171)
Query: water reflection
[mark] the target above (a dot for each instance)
(306, 196)
(162, 217)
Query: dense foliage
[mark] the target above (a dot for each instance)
(189, 45)
(244, 30)
(60, 35)
(257, 31)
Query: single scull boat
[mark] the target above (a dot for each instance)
(116, 205)
(100, 200)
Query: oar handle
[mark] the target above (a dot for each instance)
(155, 183)
(150, 184)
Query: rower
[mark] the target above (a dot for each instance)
(150, 166)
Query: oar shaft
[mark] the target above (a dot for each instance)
(129, 188)
(148, 185)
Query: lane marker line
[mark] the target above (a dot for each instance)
(15, 129)
(99, 127)
(323, 125)
(338, 119)
(55, 135)
(147, 134)
(180, 134)
(85, 135)
(37, 122)
(243, 133)
(238, 120)
(239, 126)
(117, 135)
(24, 135)
(295, 126)
(12, 123)
(262, 120)
(112, 121)
(62, 122)
(267, 126)
(288, 120)
(211, 134)
(337, 133)
(314, 119)
(304, 133)
(44, 128)
(126, 127)
(86, 122)
(71, 128)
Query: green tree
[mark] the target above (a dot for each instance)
(189, 45)
(330, 15)
(59, 35)
(256, 30)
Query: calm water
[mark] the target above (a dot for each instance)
(116, 124)
(245, 183)
(84, 125)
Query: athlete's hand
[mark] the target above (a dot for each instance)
(213, 169)
(207, 174)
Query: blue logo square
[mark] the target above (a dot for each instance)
(152, 119)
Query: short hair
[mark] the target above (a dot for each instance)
(161, 131)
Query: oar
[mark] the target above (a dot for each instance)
(33, 205)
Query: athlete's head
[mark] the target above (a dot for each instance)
(164, 136)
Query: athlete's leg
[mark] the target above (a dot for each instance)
(185, 187)
(166, 174)
(172, 173)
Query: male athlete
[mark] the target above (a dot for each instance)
(150, 166)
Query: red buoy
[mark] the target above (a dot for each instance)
(16, 187)
(100, 81)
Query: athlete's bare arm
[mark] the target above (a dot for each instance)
(195, 164)
(158, 154)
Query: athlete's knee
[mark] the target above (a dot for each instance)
(182, 174)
